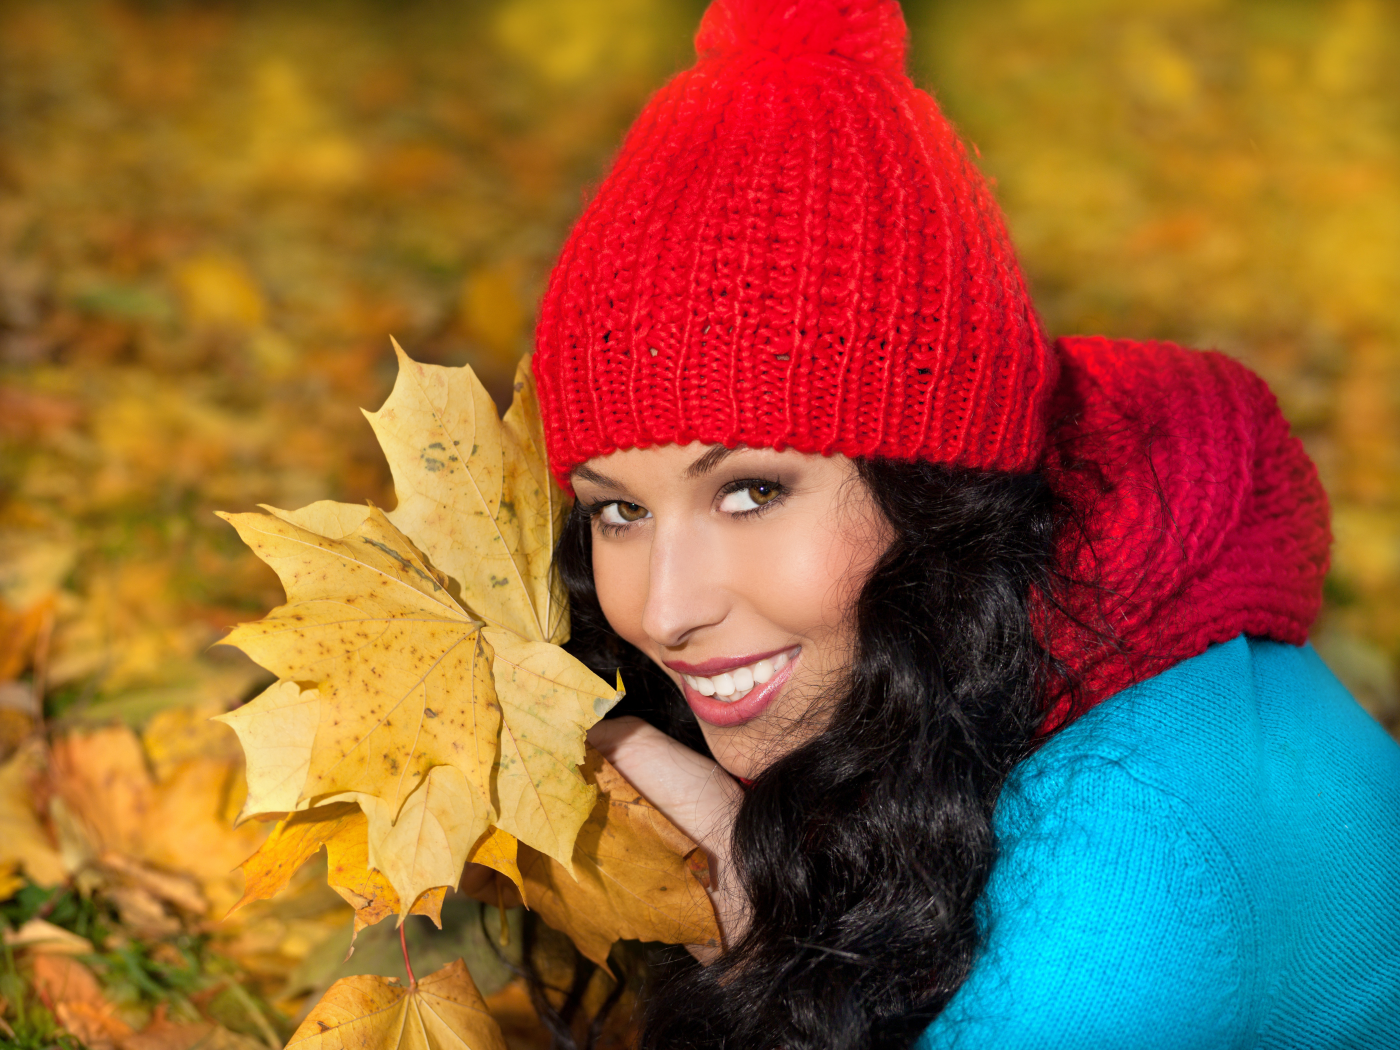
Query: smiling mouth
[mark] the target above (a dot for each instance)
(732, 686)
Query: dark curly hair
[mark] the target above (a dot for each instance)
(863, 851)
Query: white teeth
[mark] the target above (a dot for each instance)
(703, 686)
(738, 683)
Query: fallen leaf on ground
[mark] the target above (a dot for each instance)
(443, 1011)
(102, 778)
(142, 913)
(71, 991)
(633, 877)
(23, 840)
(189, 826)
(158, 842)
(45, 936)
(163, 1034)
(180, 890)
(19, 631)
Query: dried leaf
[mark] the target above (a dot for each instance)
(633, 881)
(102, 779)
(497, 850)
(538, 504)
(548, 700)
(405, 675)
(341, 829)
(189, 826)
(277, 729)
(45, 936)
(443, 1011)
(185, 734)
(162, 1034)
(325, 517)
(427, 845)
(72, 992)
(441, 434)
(143, 915)
(179, 890)
(436, 727)
(22, 837)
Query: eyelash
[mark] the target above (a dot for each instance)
(594, 510)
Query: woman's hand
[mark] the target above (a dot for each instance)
(694, 793)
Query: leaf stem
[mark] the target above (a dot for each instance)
(407, 964)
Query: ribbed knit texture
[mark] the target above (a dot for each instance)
(792, 250)
(1206, 861)
(1197, 515)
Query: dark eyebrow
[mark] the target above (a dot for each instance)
(586, 473)
(711, 459)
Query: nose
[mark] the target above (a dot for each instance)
(685, 591)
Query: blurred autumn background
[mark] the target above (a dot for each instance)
(213, 215)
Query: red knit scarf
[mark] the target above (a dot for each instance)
(1195, 515)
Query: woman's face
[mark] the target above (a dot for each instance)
(736, 571)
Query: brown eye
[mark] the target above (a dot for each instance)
(762, 494)
(751, 497)
(620, 513)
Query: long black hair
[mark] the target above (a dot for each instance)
(863, 851)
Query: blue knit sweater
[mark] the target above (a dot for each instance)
(1209, 859)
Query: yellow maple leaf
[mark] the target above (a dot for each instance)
(474, 492)
(498, 851)
(277, 729)
(427, 844)
(403, 669)
(418, 651)
(342, 829)
(633, 877)
(442, 1011)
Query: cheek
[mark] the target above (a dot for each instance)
(805, 580)
(620, 579)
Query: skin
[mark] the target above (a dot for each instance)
(703, 553)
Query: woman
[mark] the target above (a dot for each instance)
(1008, 734)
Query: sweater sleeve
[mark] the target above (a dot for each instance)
(1114, 920)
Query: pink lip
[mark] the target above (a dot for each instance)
(722, 664)
(718, 713)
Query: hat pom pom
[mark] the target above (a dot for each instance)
(867, 32)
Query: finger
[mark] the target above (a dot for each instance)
(611, 733)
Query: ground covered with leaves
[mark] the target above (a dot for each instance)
(212, 217)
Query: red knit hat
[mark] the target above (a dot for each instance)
(793, 251)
